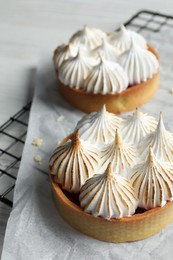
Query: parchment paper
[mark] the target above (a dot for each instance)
(35, 230)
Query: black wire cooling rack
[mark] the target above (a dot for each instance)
(13, 132)
(149, 21)
(12, 139)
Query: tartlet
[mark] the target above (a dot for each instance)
(136, 227)
(154, 184)
(127, 98)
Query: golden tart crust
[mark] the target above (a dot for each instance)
(136, 227)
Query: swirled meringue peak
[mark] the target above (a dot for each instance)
(161, 141)
(108, 195)
(122, 155)
(89, 37)
(73, 163)
(64, 52)
(107, 50)
(139, 64)
(122, 39)
(106, 77)
(136, 126)
(98, 128)
(153, 182)
(74, 70)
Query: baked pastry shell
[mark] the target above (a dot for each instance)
(136, 227)
(134, 96)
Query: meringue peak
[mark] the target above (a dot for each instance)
(118, 139)
(88, 36)
(122, 39)
(140, 64)
(109, 172)
(122, 155)
(151, 155)
(138, 115)
(138, 112)
(73, 163)
(134, 45)
(106, 50)
(98, 127)
(76, 140)
(161, 130)
(75, 69)
(106, 77)
(108, 196)
(64, 52)
(103, 109)
(137, 126)
(153, 182)
(123, 28)
(160, 125)
(161, 141)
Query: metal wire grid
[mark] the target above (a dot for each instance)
(149, 21)
(13, 132)
(12, 139)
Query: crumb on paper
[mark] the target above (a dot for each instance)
(60, 118)
(37, 159)
(171, 91)
(37, 141)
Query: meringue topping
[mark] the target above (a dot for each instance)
(64, 52)
(122, 155)
(89, 37)
(122, 39)
(107, 50)
(153, 182)
(73, 163)
(73, 71)
(136, 126)
(106, 77)
(108, 195)
(98, 127)
(161, 141)
(139, 64)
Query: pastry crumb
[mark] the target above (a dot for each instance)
(171, 91)
(60, 118)
(37, 159)
(37, 141)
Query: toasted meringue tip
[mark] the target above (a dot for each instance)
(137, 111)
(160, 122)
(109, 171)
(150, 157)
(76, 139)
(118, 139)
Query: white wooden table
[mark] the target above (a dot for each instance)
(28, 28)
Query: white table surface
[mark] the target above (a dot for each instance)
(30, 27)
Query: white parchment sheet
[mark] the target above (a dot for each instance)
(35, 231)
